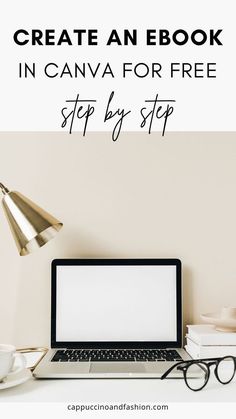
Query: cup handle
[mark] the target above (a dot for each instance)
(20, 367)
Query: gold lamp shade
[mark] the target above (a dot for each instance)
(31, 226)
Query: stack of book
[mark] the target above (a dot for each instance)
(204, 341)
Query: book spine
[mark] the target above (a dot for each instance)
(219, 338)
(192, 353)
(193, 336)
(199, 351)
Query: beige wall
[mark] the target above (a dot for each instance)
(142, 196)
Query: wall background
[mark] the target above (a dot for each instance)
(142, 196)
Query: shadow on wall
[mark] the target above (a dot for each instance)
(82, 245)
(188, 301)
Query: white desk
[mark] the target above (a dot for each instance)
(117, 390)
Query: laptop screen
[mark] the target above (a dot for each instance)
(115, 302)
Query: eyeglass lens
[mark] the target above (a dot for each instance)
(202, 372)
(225, 370)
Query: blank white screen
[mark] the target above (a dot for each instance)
(116, 303)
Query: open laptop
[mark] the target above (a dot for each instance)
(114, 318)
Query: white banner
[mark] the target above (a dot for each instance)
(116, 410)
(128, 66)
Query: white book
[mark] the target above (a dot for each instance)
(198, 351)
(206, 334)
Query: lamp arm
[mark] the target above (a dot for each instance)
(3, 189)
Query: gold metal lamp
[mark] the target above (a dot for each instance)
(31, 226)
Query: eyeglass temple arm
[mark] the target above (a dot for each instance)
(170, 369)
(3, 189)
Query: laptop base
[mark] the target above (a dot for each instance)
(48, 369)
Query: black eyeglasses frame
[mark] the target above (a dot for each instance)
(207, 362)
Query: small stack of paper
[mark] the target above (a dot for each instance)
(204, 341)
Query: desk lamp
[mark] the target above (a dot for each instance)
(31, 226)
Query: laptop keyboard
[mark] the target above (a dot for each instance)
(113, 355)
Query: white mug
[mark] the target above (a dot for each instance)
(8, 356)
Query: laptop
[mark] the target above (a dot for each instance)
(114, 318)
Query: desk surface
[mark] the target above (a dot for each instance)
(117, 390)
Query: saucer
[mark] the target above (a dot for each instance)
(15, 379)
(223, 325)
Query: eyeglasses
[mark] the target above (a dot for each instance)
(224, 371)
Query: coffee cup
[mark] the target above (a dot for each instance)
(8, 356)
